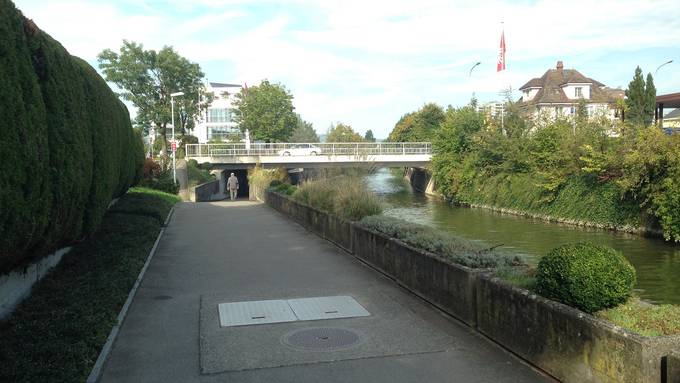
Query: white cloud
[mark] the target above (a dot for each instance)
(368, 62)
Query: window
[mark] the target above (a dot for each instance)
(222, 133)
(578, 92)
(219, 115)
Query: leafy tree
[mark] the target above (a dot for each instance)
(419, 125)
(148, 77)
(640, 99)
(343, 133)
(368, 137)
(266, 111)
(304, 132)
(403, 128)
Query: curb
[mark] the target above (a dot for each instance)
(98, 367)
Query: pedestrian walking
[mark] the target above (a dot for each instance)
(232, 185)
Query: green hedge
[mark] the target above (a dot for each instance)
(56, 334)
(68, 148)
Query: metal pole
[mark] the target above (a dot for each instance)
(659, 67)
(172, 118)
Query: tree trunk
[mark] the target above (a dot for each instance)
(164, 137)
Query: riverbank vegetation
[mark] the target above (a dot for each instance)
(345, 196)
(623, 177)
(57, 333)
(645, 318)
(458, 250)
(580, 168)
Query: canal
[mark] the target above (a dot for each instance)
(657, 262)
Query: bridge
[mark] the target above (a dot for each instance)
(311, 155)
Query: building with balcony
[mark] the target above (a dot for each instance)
(559, 91)
(217, 122)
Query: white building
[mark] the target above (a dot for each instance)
(559, 91)
(217, 122)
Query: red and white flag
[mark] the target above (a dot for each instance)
(501, 54)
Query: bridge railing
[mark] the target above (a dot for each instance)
(306, 149)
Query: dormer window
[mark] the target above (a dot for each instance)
(578, 92)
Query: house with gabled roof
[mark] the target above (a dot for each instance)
(559, 91)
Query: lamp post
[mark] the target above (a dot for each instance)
(174, 146)
(659, 67)
(473, 67)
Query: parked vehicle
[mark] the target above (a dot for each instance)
(301, 150)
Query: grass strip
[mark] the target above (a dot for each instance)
(645, 318)
(56, 334)
(145, 201)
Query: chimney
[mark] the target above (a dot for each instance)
(560, 66)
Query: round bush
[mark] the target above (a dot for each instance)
(586, 276)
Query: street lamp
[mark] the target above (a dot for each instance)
(174, 146)
(659, 67)
(473, 67)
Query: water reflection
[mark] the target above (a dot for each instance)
(657, 262)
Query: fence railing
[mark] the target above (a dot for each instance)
(308, 149)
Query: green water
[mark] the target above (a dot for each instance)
(657, 262)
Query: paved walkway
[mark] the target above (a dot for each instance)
(238, 251)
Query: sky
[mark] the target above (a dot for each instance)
(366, 63)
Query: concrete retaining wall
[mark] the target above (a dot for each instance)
(449, 286)
(320, 223)
(673, 368)
(204, 192)
(16, 286)
(566, 343)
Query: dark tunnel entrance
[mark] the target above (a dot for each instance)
(242, 176)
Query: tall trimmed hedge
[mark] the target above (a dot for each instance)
(68, 146)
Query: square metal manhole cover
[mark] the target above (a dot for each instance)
(279, 310)
(327, 308)
(255, 312)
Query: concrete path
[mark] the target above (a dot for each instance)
(221, 252)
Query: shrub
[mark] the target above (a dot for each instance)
(343, 196)
(197, 175)
(586, 276)
(354, 201)
(163, 182)
(459, 250)
(260, 179)
(284, 188)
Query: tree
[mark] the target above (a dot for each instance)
(266, 111)
(403, 128)
(650, 99)
(148, 77)
(304, 132)
(640, 99)
(419, 125)
(368, 137)
(343, 133)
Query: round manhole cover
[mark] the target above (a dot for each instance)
(322, 339)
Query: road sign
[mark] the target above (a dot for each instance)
(174, 146)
